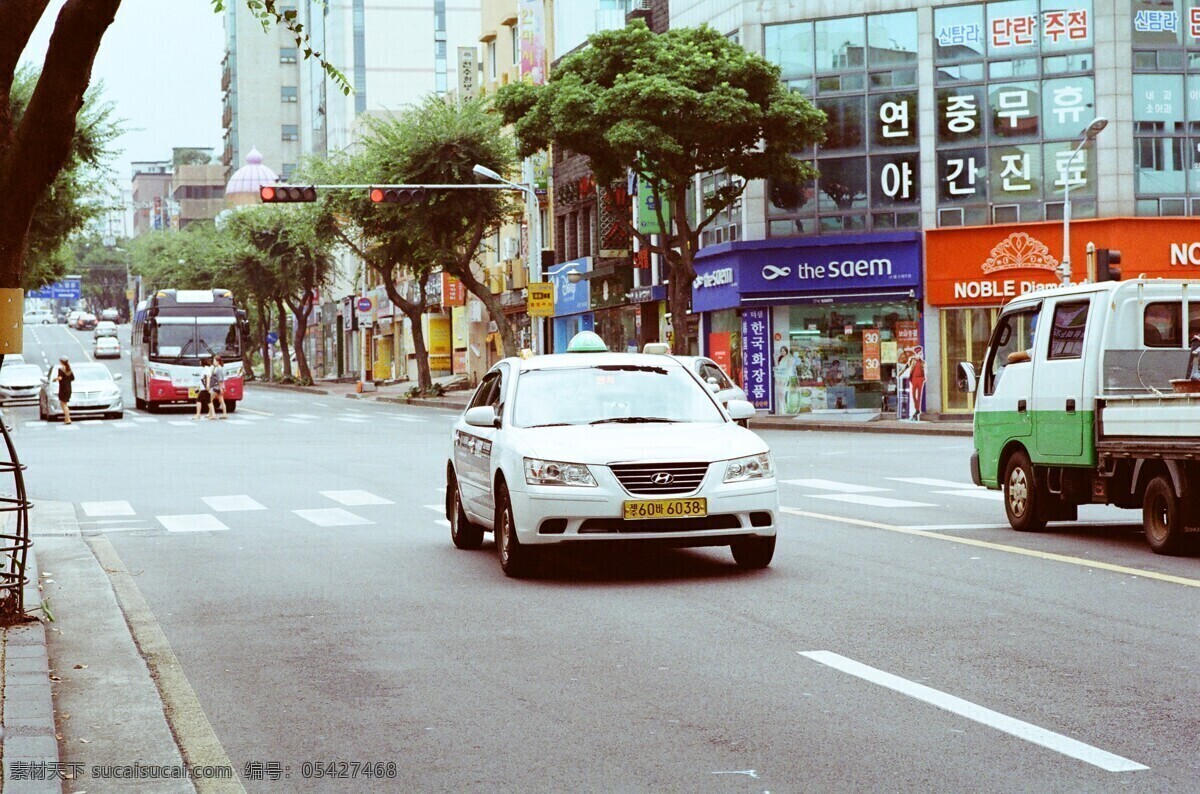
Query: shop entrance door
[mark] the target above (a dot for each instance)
(965, 335)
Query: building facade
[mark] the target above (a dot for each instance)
(260, 78)
(948, 116)
(150, 195)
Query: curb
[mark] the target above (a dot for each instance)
(30, 736)
(423, 402)
(915, 428)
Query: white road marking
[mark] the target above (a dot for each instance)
(197, 522)
(254, 414)
(976, 493)
(436, 508)
(993, 719)
(238, 422)
(932, 483)
(71, 426)
(108, 521)
(442, 522)
(935, 527)
(332, 517)
(304, 416)
(34, 425)
(351, 419)
(867, 499)
(145, 419)
(404, 418)
(832, 485)
(183, 422)
(356, 498)
(296, 421)
(123, 425)
(353, 410)
(117, 508)
(228, 504)
(321, 405)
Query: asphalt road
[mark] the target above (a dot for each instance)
(297, 560)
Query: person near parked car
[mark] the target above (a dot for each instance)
(217, 385)
(65, 378)
(204, 397)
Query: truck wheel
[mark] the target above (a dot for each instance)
(1022, 495)
(1162, 517)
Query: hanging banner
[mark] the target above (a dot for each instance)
(908, 338)
(540, 301)
(719, 349)
(453, 291)
(756, 347)
(871, 354)
(647, 210)
(466, 72)
(533, 40)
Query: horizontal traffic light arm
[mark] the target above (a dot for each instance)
(484, 186)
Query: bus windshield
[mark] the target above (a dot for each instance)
(177, 338)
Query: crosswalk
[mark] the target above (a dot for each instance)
(223, 513)
(136, 419)
(880, 495)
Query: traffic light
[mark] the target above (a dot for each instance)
(397, 195)
(1107, 260)
(281, 194)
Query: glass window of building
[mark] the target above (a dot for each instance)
(861, 71)
(289, 93)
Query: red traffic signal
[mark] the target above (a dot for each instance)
(397, 195)
(280, 194)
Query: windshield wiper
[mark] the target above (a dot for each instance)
(183, 350)
(631, 420)
(631, 368)
(551, 424)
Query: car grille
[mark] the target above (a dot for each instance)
(598, 525)
(639, 478)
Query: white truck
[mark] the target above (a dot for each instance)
(1085, 397)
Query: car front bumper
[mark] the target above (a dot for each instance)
(547, 514)
(92, 406)
(10, 394)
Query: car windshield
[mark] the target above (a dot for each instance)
(91, 372)
(21, 372)
(611, 394)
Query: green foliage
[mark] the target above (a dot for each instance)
(103, 269)
(69, 202)
(190, 156)
(669, 106)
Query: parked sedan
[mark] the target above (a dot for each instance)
(19, 383)
(95, 391)
(708, 371)
(106, 347)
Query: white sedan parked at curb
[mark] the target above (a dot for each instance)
(595, 446)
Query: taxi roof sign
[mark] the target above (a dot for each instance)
(587, 342)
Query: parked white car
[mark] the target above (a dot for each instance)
(710, 372)
(19, 383)
(597, 446)
(40, 317)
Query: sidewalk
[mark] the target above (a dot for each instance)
(457, 400)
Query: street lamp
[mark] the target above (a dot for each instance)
(1089, 132)
(534, 265)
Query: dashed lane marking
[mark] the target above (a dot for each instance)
(304, 416)
(983, 544)
(293, 420)
(356, 498)
(984, 716)
(354, 419)
(114, 508)
(196, 522)
(933, 483)
(332, 517)
(253, 412)
(976, 493)
(868, 499)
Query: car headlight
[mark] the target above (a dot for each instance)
(553, 472)
(752, 467)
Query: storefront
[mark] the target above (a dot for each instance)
(973, 271)
(572, 302)
(813, 323)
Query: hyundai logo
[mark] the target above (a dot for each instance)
(662, 478)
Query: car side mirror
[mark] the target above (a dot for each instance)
(1019, 357)
(966, 377)
(117, 376)
(482, 416)
(739, 410)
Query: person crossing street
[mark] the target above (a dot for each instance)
(217, 387)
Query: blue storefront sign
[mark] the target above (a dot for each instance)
(799, 270)
(572, 301)
(756, 346)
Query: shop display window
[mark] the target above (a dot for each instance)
(842, 356)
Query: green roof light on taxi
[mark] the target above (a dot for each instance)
(587, 342)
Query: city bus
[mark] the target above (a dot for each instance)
(173, 332)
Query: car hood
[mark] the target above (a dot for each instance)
(19, 382)
(90, 384)
(604, 444)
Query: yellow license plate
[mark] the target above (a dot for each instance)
(193, 394)
(665, 508)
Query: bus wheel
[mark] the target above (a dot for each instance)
(1022, 495)
(139, 403)
(231, 405)
(1162, 517)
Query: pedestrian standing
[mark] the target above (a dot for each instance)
(65, 378)
(217, 385)
(204, 396)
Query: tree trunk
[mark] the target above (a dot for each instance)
(264, 325)
(301, 312)
(281, 322)
(413, 312)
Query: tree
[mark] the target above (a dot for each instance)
(669, 107)
(437, 142)
(104, 270)
(37, 137)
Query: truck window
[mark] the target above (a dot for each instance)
(1162, 325)
(1014, 332)
(1066, 335)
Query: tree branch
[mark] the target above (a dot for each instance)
(17, 22)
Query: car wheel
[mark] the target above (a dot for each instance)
(515, 560)
(42, 413)
(1022, 495)
(753, 552)
(1162, 517)
(465, 534)
(117, 415)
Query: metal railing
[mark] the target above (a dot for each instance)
(15, 543)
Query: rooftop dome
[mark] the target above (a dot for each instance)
(249, 178)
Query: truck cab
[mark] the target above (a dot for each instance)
(1082, 399)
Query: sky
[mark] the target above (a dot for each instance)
(161, 66)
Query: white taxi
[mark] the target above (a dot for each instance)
(593, 446)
